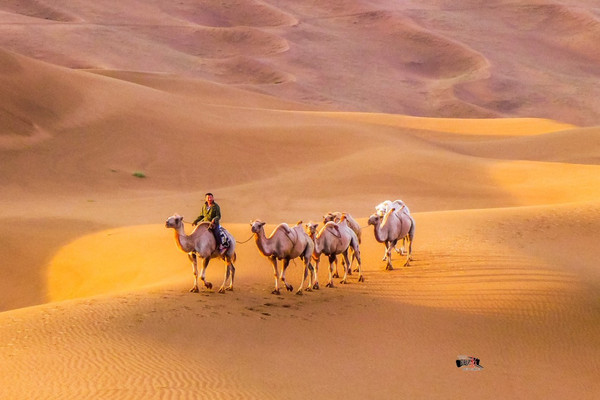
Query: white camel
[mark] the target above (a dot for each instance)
(333, 239)
(390, 228)
(382, 208)
(201, 243)
(285, 244)
(349, 221)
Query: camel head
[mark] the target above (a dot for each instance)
(257, 225)
(311, 228)
(374, 219)
(332, 216)
(174, 221)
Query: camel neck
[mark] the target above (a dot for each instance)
(261, 242)
(182, 240)
(377, 231)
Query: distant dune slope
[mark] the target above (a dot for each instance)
(488, 59)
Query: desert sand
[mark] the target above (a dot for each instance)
(483, 116)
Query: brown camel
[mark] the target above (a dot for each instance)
(201, 243)
(333, 239)
(390, 228)
(285, 244)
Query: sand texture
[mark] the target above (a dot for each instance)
(483, 116)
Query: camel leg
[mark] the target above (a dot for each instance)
(388, 249)
(361, 278)
(402, 250)
(357, 268)
(316, 274)
(304, 275)
(274, 262)
(232, 268)
(411, 237)
(286, 263)
(311, 272)
(345, 259)
(332, 259)
(229, 272)
(205, 262)
(348, 264)
(194, 261)
(336, 274)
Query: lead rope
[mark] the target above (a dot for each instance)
(247, 240)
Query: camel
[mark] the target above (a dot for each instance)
(348, 220)
(333, 239)
(390, 228)
(382, 208)
(351, 223)
(285, 244)
(201, 244)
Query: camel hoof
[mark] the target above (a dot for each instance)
(299, 293)
(343, 282)
(230, 288)
(289, 288)
(389, 268)
(361, 278)
(308, 289)
(316, 286)
(222, 290)
(356, 269)
(336, 275)
(194, 290)
(329, 285)
(276, 291)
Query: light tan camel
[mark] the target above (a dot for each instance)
(201, 244)
(346, 219)
(351, 222)
(285, 244)
(390, 228)
(333, 239)
(382, 208)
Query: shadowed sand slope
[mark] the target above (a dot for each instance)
(115, 115)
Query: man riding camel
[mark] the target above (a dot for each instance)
(211, 212)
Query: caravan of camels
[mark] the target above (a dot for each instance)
(340, 235)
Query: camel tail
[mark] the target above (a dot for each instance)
(411, 231)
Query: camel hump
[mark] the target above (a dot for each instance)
(285, 227)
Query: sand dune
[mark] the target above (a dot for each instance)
(481, 116)
(490, 59)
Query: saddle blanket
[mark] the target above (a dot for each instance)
(224, 237)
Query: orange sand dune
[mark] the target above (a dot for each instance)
(483, 119)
